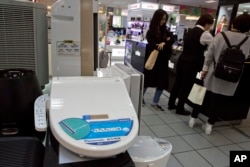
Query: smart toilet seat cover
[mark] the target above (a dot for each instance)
(92, 116)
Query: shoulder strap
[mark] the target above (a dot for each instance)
(244, 40)
(226, 39)
(228, 43)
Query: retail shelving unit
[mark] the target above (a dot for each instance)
(139, 16)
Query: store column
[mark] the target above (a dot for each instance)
(87, 38)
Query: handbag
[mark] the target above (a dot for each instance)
(197, 94)
(149, 65)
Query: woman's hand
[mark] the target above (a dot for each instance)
(203, 74)
(160, 46)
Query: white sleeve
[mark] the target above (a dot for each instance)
(209, 58)
(206, 38)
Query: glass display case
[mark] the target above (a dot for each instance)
(227, 11)
(138, 20)
(112, 31)
(136, 29)
(224, 17)
(139, 16)
(243, 8)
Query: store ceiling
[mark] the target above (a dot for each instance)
(124, 3)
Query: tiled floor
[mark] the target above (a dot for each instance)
(191, 147)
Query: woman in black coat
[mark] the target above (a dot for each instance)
(159, 38)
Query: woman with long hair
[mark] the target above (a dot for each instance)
(158, 38)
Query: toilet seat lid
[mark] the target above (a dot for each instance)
(92, 116)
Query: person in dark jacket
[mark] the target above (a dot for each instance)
(222, 93)
(190, 62)
(158, 38)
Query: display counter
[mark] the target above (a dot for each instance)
(135, 54)
(115, 51)
(172, 66)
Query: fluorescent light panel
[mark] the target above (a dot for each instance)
(210, 1)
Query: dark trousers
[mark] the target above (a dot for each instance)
(185, 77)
(215, 107)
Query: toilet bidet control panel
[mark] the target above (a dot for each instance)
(40, 115)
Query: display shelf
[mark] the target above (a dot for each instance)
(139, 16)
(136, 30)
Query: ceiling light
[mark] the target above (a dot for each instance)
(210, 1)
(188, 17)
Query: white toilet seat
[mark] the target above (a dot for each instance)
(91, 116)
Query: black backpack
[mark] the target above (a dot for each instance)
(231, 62)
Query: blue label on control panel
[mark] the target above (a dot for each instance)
(97, 132)
(108, 132)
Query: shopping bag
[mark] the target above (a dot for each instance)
(149, 65)
(197, 94)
